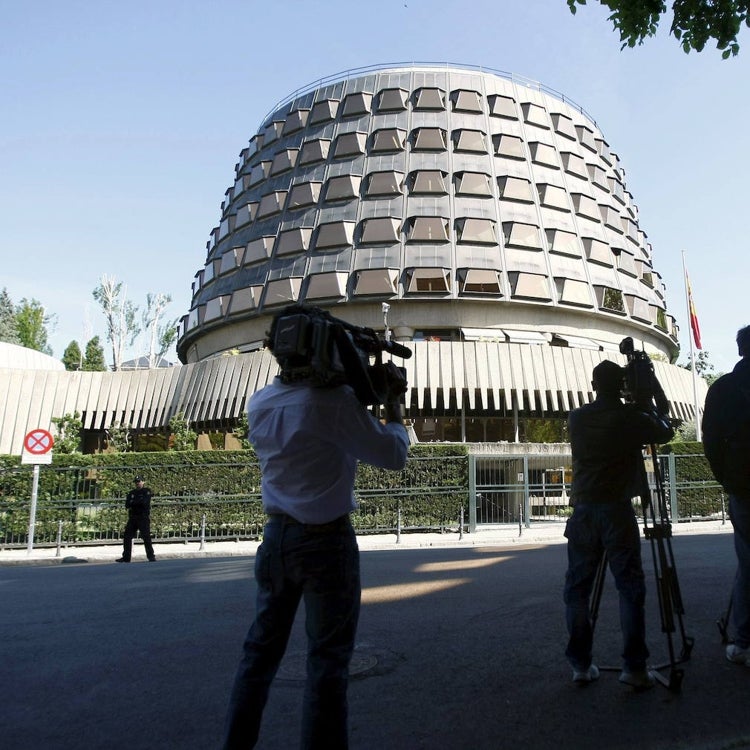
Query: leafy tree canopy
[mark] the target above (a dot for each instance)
(72, 356)
(33, 325)
(8, 326)
(694, 22)
(93, 360)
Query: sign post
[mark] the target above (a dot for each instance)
(37, 449)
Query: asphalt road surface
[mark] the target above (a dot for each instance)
(457, 648)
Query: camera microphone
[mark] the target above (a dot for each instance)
(399, 350)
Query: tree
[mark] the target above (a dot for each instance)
(694, 22)
(703, 367)
(32, 324)
(8, 326)
(93, 360)
(68, 433)
(160, 336)
(72, 356)
(120, 314)
(184, 437)
(118, 437)
(241, 431)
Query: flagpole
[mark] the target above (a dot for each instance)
(698, 435)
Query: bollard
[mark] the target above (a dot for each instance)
(723, 516)
(203, 533)
(398, 524)
(59, 538)
(461, 524)
(520, 519)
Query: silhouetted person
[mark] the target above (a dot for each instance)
(138, 504)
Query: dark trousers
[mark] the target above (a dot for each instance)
(593, 529)
(739, 513)
(319, 564)
(135, 524)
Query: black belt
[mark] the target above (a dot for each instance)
(335, 525)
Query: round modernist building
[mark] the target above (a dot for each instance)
(484, 212)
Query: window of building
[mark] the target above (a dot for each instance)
(563, 125)
(638, 308)
(429, 139)
(479, 281)
(259, 249)
(430, 280)
(508, 146)
(343, 188)
(376, 281)
(586, 137)
(503, 106)
(480, 231)
(472, 183)
(272, 132)
(331, 285)
(284, 160)
(552, 196)
(357, 104)
(427, 181)
(304, 194)
(259, 172)
(585, 205)
(282, 291)
(609, 299)
(544, 154)
(384, 183)
(350, 144)
(245, 299)
(598, 251)
(314, 151)
(392, 100)
(324, 111)
(517, 234)
(293, 241)
(246, 213)
(295, 121)
(387, 140)
(515, 189)
(271, 203)
(529, 286)
(216, 308)
(610, 217)
(469, 140)
(573, 292)
(574, 164)
(466, 101)
(429, 98)
(563, 243)
(335, 234)
(534, 114)
(231, 260)
(626, 264)
(376, 231)
(427, 229)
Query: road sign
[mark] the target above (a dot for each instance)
(38, 442)
(37, 447)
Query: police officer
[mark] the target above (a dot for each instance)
(138, 504)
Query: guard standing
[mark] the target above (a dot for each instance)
(138, 504)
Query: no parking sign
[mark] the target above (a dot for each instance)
(37, 447)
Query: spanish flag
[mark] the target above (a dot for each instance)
(693, 317)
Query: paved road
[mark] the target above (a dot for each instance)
(458, 648)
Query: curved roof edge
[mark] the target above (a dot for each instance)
(15, 357)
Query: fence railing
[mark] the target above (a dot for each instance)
(84, 506)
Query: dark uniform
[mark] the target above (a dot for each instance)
(138, 504)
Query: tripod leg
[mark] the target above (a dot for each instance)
(723, 622)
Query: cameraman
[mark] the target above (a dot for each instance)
(308, 440)
(726, 442)
(607, 438)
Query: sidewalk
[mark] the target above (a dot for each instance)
(540, 532)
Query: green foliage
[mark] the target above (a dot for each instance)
(184, 438)
(545, 430)
(32, 324)
(119, 437)
(72, 356)
(93, 360)
(694, 22)
(241, 430)
(8, 327)
(613, 300)
(69, 429)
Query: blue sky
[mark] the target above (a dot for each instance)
(122, 123)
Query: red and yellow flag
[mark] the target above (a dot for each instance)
(693, 317)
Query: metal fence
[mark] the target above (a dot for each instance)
(77, 506)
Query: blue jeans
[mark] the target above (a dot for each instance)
(592, 530)
(320, 564)
(739, 513)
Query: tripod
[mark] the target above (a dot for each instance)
(657, 528)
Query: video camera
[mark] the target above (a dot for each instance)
(309, 343)
(640, 385)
